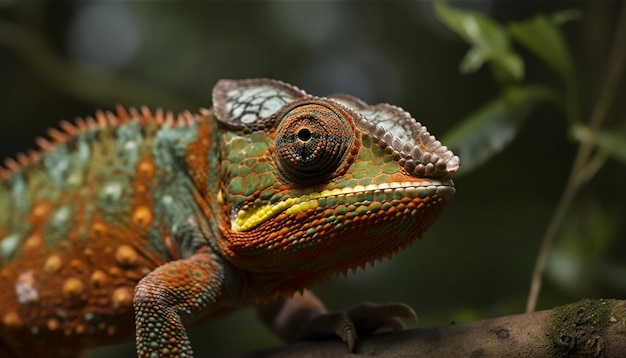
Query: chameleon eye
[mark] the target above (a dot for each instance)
(312, 140)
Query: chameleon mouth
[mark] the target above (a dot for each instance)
(252, 217)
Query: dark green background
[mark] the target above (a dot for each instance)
(477, 260)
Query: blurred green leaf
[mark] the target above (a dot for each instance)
(473, 61)
(613, 143)
(578, 260)
(505, 69)
(491, 128)
(564, 16)
(489, 42)
(543, 37)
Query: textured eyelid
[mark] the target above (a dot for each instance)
(250, 104)
(395, 129)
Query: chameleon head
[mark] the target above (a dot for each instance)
(312, 187)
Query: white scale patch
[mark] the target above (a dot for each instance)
(83, 152)
(19, 194)
(248, 118)
(25, 288)
(8, 245)
(57, 162)
(167, 200)
(111, 192)
(18, 186)
(253, 103)
(130, 146)
(61, 215)
(129, 139)
(81, 155)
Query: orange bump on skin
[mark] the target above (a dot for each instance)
(140, 189)
(142, 216)
(146, 168)
(98, 278)
(99, 228)
(115, 272)
(53, 324)
(34, 241)
(111, 330)
(77, 265)
(52, 264)
(122, 297)
(126, 255)
(40, 211)
(72, 287)
(12, 320)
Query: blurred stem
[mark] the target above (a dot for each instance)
(585, 166)
(92, 85)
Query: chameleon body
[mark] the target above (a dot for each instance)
(157, 220)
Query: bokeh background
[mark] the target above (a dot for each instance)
(59, 60)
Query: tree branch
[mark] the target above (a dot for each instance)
(589, 328)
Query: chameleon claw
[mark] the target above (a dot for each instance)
(370, 317)
(337, 323)
(363, 319)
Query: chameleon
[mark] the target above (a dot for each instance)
(136, 222)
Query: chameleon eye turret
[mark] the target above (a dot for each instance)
(156, 218)
(314, 140)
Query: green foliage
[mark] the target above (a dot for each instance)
(489, 41)
(579, 260)
(492, 127)
(542, 37)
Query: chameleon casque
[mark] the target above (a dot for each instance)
(163, 220)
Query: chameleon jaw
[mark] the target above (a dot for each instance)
(250, 218)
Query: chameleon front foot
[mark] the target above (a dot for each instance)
(363, 319)
(303, 316)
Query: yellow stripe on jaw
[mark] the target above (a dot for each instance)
(248, 219)
(252, 217)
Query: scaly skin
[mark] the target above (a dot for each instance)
(172, 220)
